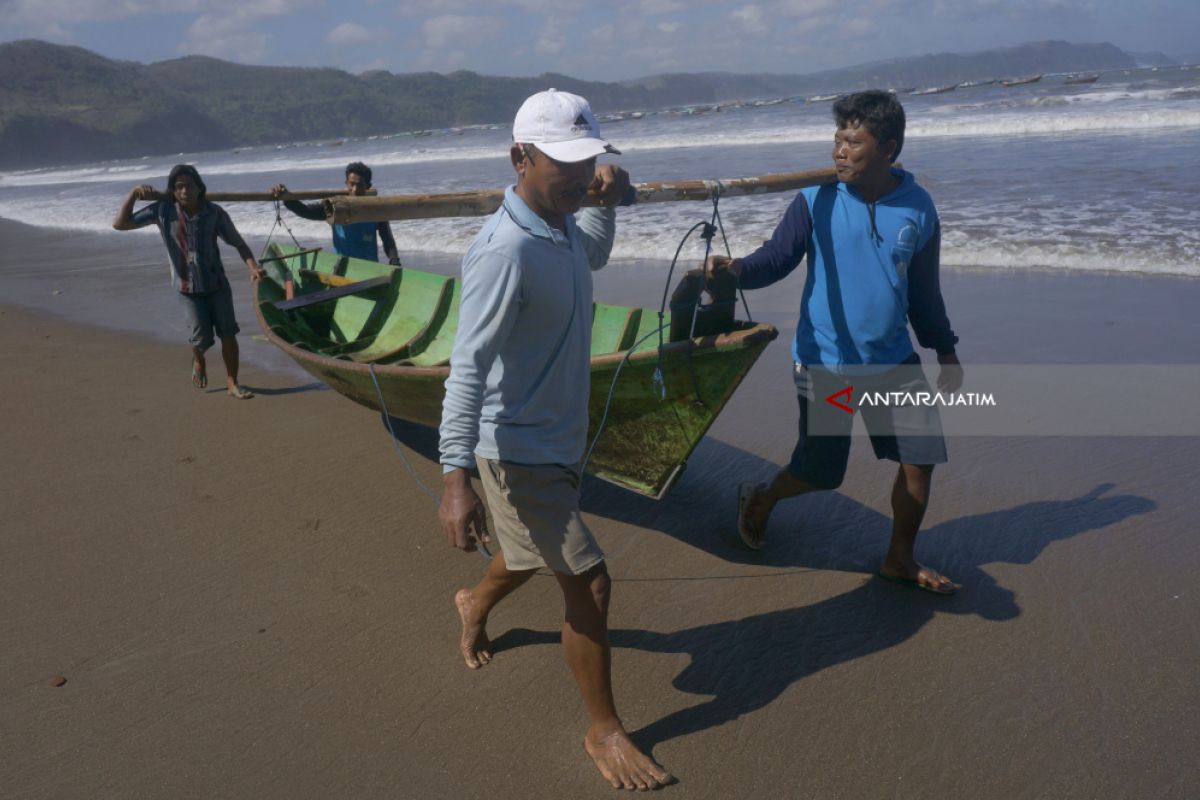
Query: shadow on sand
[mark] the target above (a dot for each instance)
(744, 665)
(316, 386)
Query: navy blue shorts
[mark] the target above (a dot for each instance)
(208, 314)
(904, 433)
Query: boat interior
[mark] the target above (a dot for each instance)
(367, 312)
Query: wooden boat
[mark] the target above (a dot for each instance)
(1021, 81)
(1074, 80)
(350, 323)
(950, 87)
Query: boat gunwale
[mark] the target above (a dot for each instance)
(761, 331)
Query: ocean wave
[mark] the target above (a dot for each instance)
(1065, 257)
(89, 174)
(226, 164)
(1020, 120)
(656, 237)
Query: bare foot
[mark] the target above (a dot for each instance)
(919, 576)
(621, 763)
(475, 647)
(752, 515)
(199, 372)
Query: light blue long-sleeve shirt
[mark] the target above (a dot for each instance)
(520, 373)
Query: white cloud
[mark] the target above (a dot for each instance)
(223, 27)
(751, 19)
(459, 31)
(59, 11)
(541, 7)
(349, 34)
(50, 19)
(1016, 9)
(601, 37)
(551, 39)
(803, 8)
(858, 27)
(654, 7)
(451, 41)
(226, 28)
(475, 8)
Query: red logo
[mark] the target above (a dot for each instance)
(832, 399)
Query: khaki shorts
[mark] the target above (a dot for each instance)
(535, 516)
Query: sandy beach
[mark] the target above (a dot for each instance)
(251, 599)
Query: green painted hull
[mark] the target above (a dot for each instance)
(402, 328)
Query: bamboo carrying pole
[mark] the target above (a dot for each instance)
(247, 197)
(307, 194)
(348, 210)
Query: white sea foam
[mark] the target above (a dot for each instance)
(656, 236)
(91, 174)
(1116, 202)
(228, 164)
(1110, 112)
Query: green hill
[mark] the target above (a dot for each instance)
(62, 104)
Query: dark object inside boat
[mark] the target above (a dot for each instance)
(713, 317)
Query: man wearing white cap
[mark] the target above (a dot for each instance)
(516, 404)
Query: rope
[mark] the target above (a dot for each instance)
(387, 417)
(612, 388)
(659, 378)
(729, 253)
(279, 221)
(708, 231)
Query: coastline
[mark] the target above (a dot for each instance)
(119, 281)
(252, 599)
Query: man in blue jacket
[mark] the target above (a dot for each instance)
(873, 242)
(356, 239)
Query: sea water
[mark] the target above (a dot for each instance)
(1090, 177)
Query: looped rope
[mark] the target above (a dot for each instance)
(279, 221)
(708, 230)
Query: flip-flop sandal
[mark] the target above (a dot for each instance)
(199, 379)
(745, 491)
(241, 394)
(917, 584)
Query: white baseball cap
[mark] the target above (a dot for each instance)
(562, 126)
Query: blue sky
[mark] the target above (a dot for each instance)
(600, 41)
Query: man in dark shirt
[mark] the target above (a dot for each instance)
(356, 240)
(190, 225)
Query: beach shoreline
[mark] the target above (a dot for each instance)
(252, 598)
(120, 281)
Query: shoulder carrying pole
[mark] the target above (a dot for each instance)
(348, 210)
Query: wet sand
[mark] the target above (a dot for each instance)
(250, 599)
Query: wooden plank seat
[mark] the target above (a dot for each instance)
(409, 326)
(286, 256)
(333, 293)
